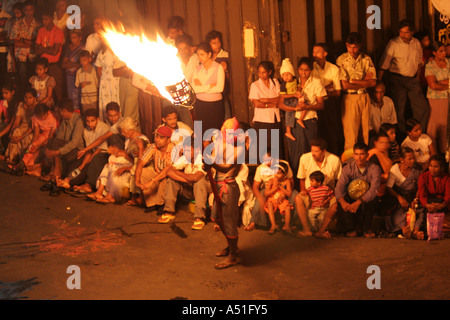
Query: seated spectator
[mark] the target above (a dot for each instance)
(43, 83)
(434, 187)
(382, 109)
(319, 159)
(320, 197)
(21, 132)
(379, 155)
(420, 142)
(402, 185)
(116, 181)
(278, 192)
(61, 153)
(8, 110)
(94, 129)
(264, 173)
(186, 177)
(394, 148)
(354, 212)
(86, 80)
(44, 125)
(151, 172)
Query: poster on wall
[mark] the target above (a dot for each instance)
(442, 20)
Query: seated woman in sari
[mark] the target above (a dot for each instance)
(402, 184)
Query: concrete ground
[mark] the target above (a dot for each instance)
(123, 253)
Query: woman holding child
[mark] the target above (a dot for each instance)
(313, 93)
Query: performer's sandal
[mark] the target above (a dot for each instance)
(166, 218)
(198, 225)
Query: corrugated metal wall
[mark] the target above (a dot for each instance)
(302, 22)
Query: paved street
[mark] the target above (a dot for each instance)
(123, 253)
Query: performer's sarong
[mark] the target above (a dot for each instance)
(228, 191)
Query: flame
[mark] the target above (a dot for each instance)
(157, 61)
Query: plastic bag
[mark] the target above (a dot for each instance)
(435, 224)
(411, 218)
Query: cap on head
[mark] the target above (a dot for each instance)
(164, 131)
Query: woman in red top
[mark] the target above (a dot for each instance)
(434, 187)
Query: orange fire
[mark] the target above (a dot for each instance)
(157, 61)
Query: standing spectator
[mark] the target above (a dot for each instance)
(265, 96)
(24, 34)
(128, 94)
(108, 83)
(215, 40)
(354, 215)
(437, 72)
(189, 64)
(87, 82)
(17, 15)
(313, 93)
(382, 109)
(357, 74)
(403, 57)
(328, 73)
(427, 55)
(71, 64)
(208, 83)
(4, 17)
(49, 44)
(175, 28)
(60, 17)
(94, 41)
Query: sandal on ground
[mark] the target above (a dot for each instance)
(418, 235)
(93, 196)
(250, 227)
(198, 225)
(369, 234)
(166, 218)
(217, 228)
(105, 200)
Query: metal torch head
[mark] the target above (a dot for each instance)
(182, 94)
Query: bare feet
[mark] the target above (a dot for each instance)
(85, 188)
(290, 136)
(304, 234)
(63, 183)
(323, 235)
(228, 262)
(250, 227)
(351, 234)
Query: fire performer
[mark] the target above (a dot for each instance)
(224, 159)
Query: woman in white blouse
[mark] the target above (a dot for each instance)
(208, 83)
(265, 93)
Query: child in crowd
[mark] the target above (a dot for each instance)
(44, 125)
(43, 83)
(289, 93)
(71, 64)
(420, 142)
(93, 130)
(8, 109)
(320, 197)
(87, 80)
(279, 189)
(394, 149)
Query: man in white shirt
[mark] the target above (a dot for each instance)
(319, 159)
(402, 59)
(382, 109)
(328, 74)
